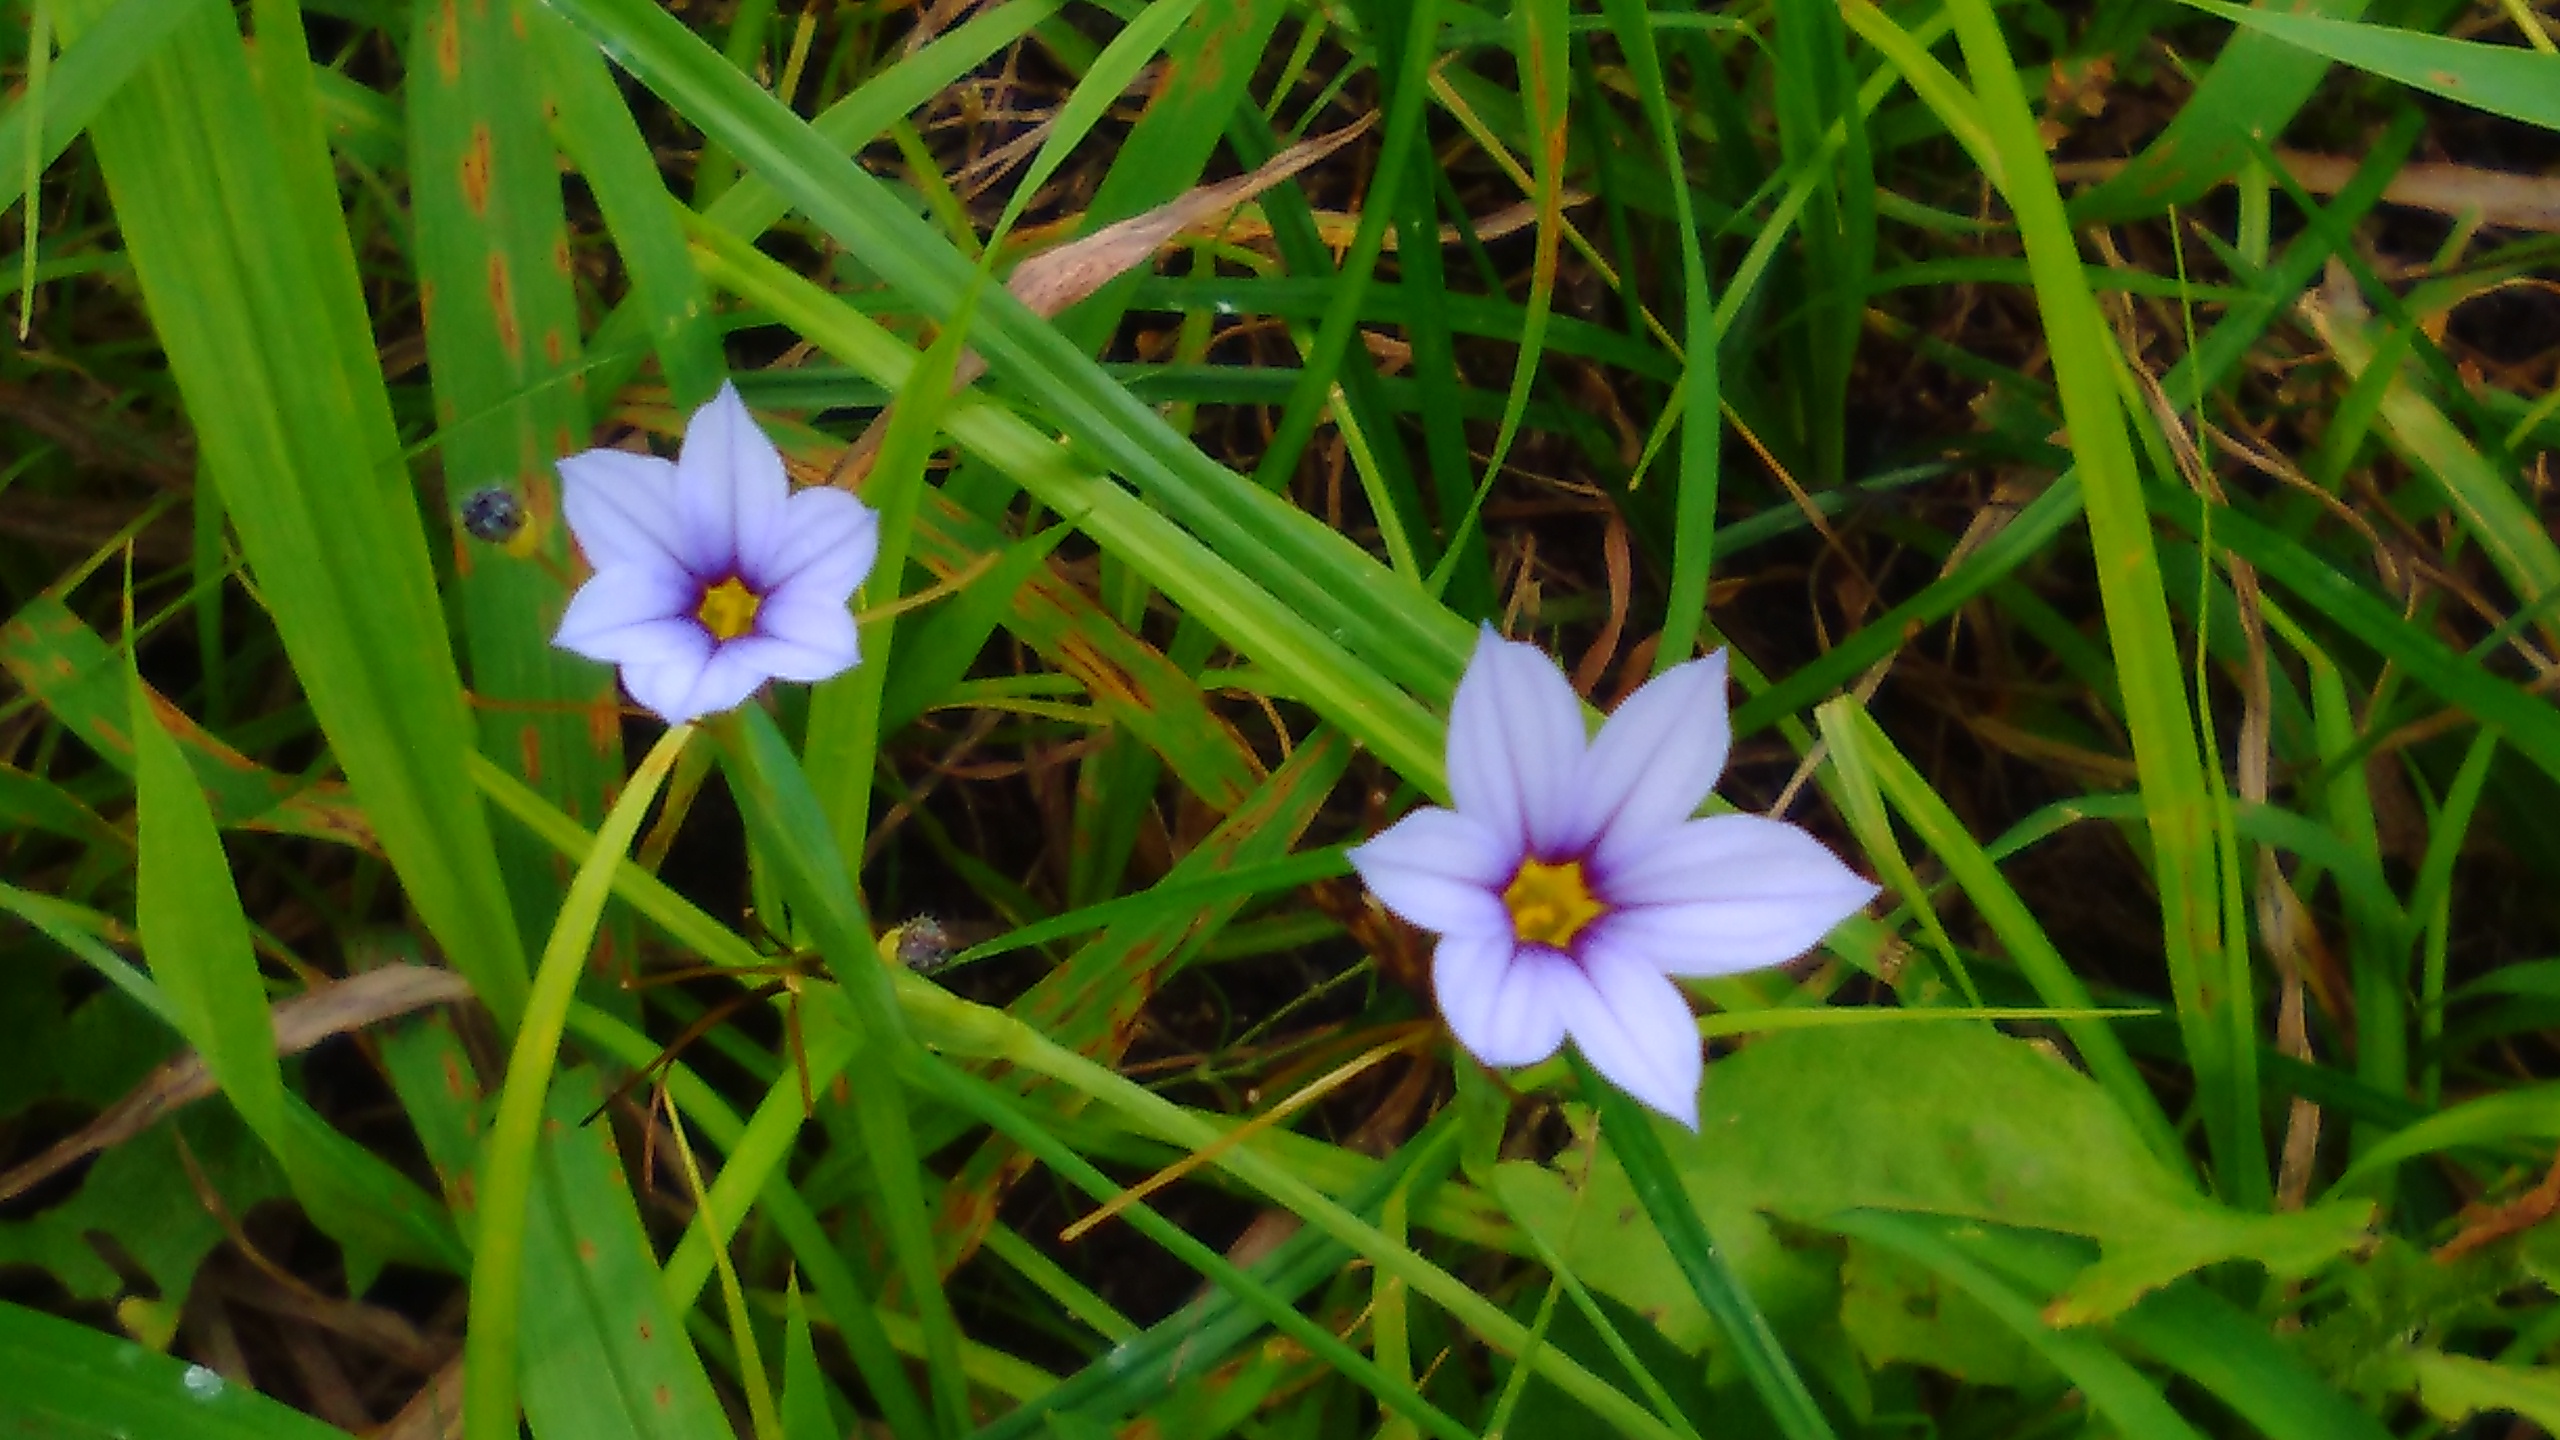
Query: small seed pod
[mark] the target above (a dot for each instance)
(494, 514)
(923, 945)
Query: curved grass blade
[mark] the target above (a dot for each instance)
(196, 938)
(509, 1155)
(1203, 1334)
(1272, 1303)
(79, 82)
(2210, 980)
(2501, 79)
(2256, 86)
(787, 827)
(1256, 621)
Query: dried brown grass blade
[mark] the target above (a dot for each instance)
(1049, 282)
(301, 1022)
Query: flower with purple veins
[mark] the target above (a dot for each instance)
(711, 575)
(1571, 884)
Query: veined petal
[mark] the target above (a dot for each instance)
(628, 614)
(730, 487)
(828, 542)
(800, 637)
(1515, 742)
(1442, 871)
(622, 508)
(1726, 893)
(1658, 755)
(1635, 1028)
(662, 686)
(1497, 996)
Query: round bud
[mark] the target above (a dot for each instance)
(493, 513)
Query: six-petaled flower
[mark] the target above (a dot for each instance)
(711, 575)
(1571, 883)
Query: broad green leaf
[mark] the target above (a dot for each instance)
(1900, 1312)
(1980, 1127)
(2456, 1387)
(2132, 1405)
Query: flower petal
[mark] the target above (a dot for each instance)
(1497, 996)
(1442, 871)
(801, 637)
(622, 508)
(1658, 755)
(1515, 741)
(1726, 893)
(1635, 1028)
(828, 543)
(726, 679)
(628, 614)
(730, 489)
(663, 686)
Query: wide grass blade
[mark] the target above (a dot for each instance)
(68, 1382)
(2501, 79)
(493, 259)
(225, 197)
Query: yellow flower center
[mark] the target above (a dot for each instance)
(1550, 903)
(729, 609)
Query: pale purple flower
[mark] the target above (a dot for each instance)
(712, 577)
(1571, 884)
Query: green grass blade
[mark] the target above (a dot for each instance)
(68, 1382)
(1699, 399)
(2211, 980)
(2258, 83)
(1286, 551)
(2504, 80)
(80, 82)
(2500, 520)
(510, 1153)
(812, 1246)
(492, 253)
(197, 939)
(1265, 626)
(1864, 754)
(246, 269)
(667, 301)
(787, 827)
